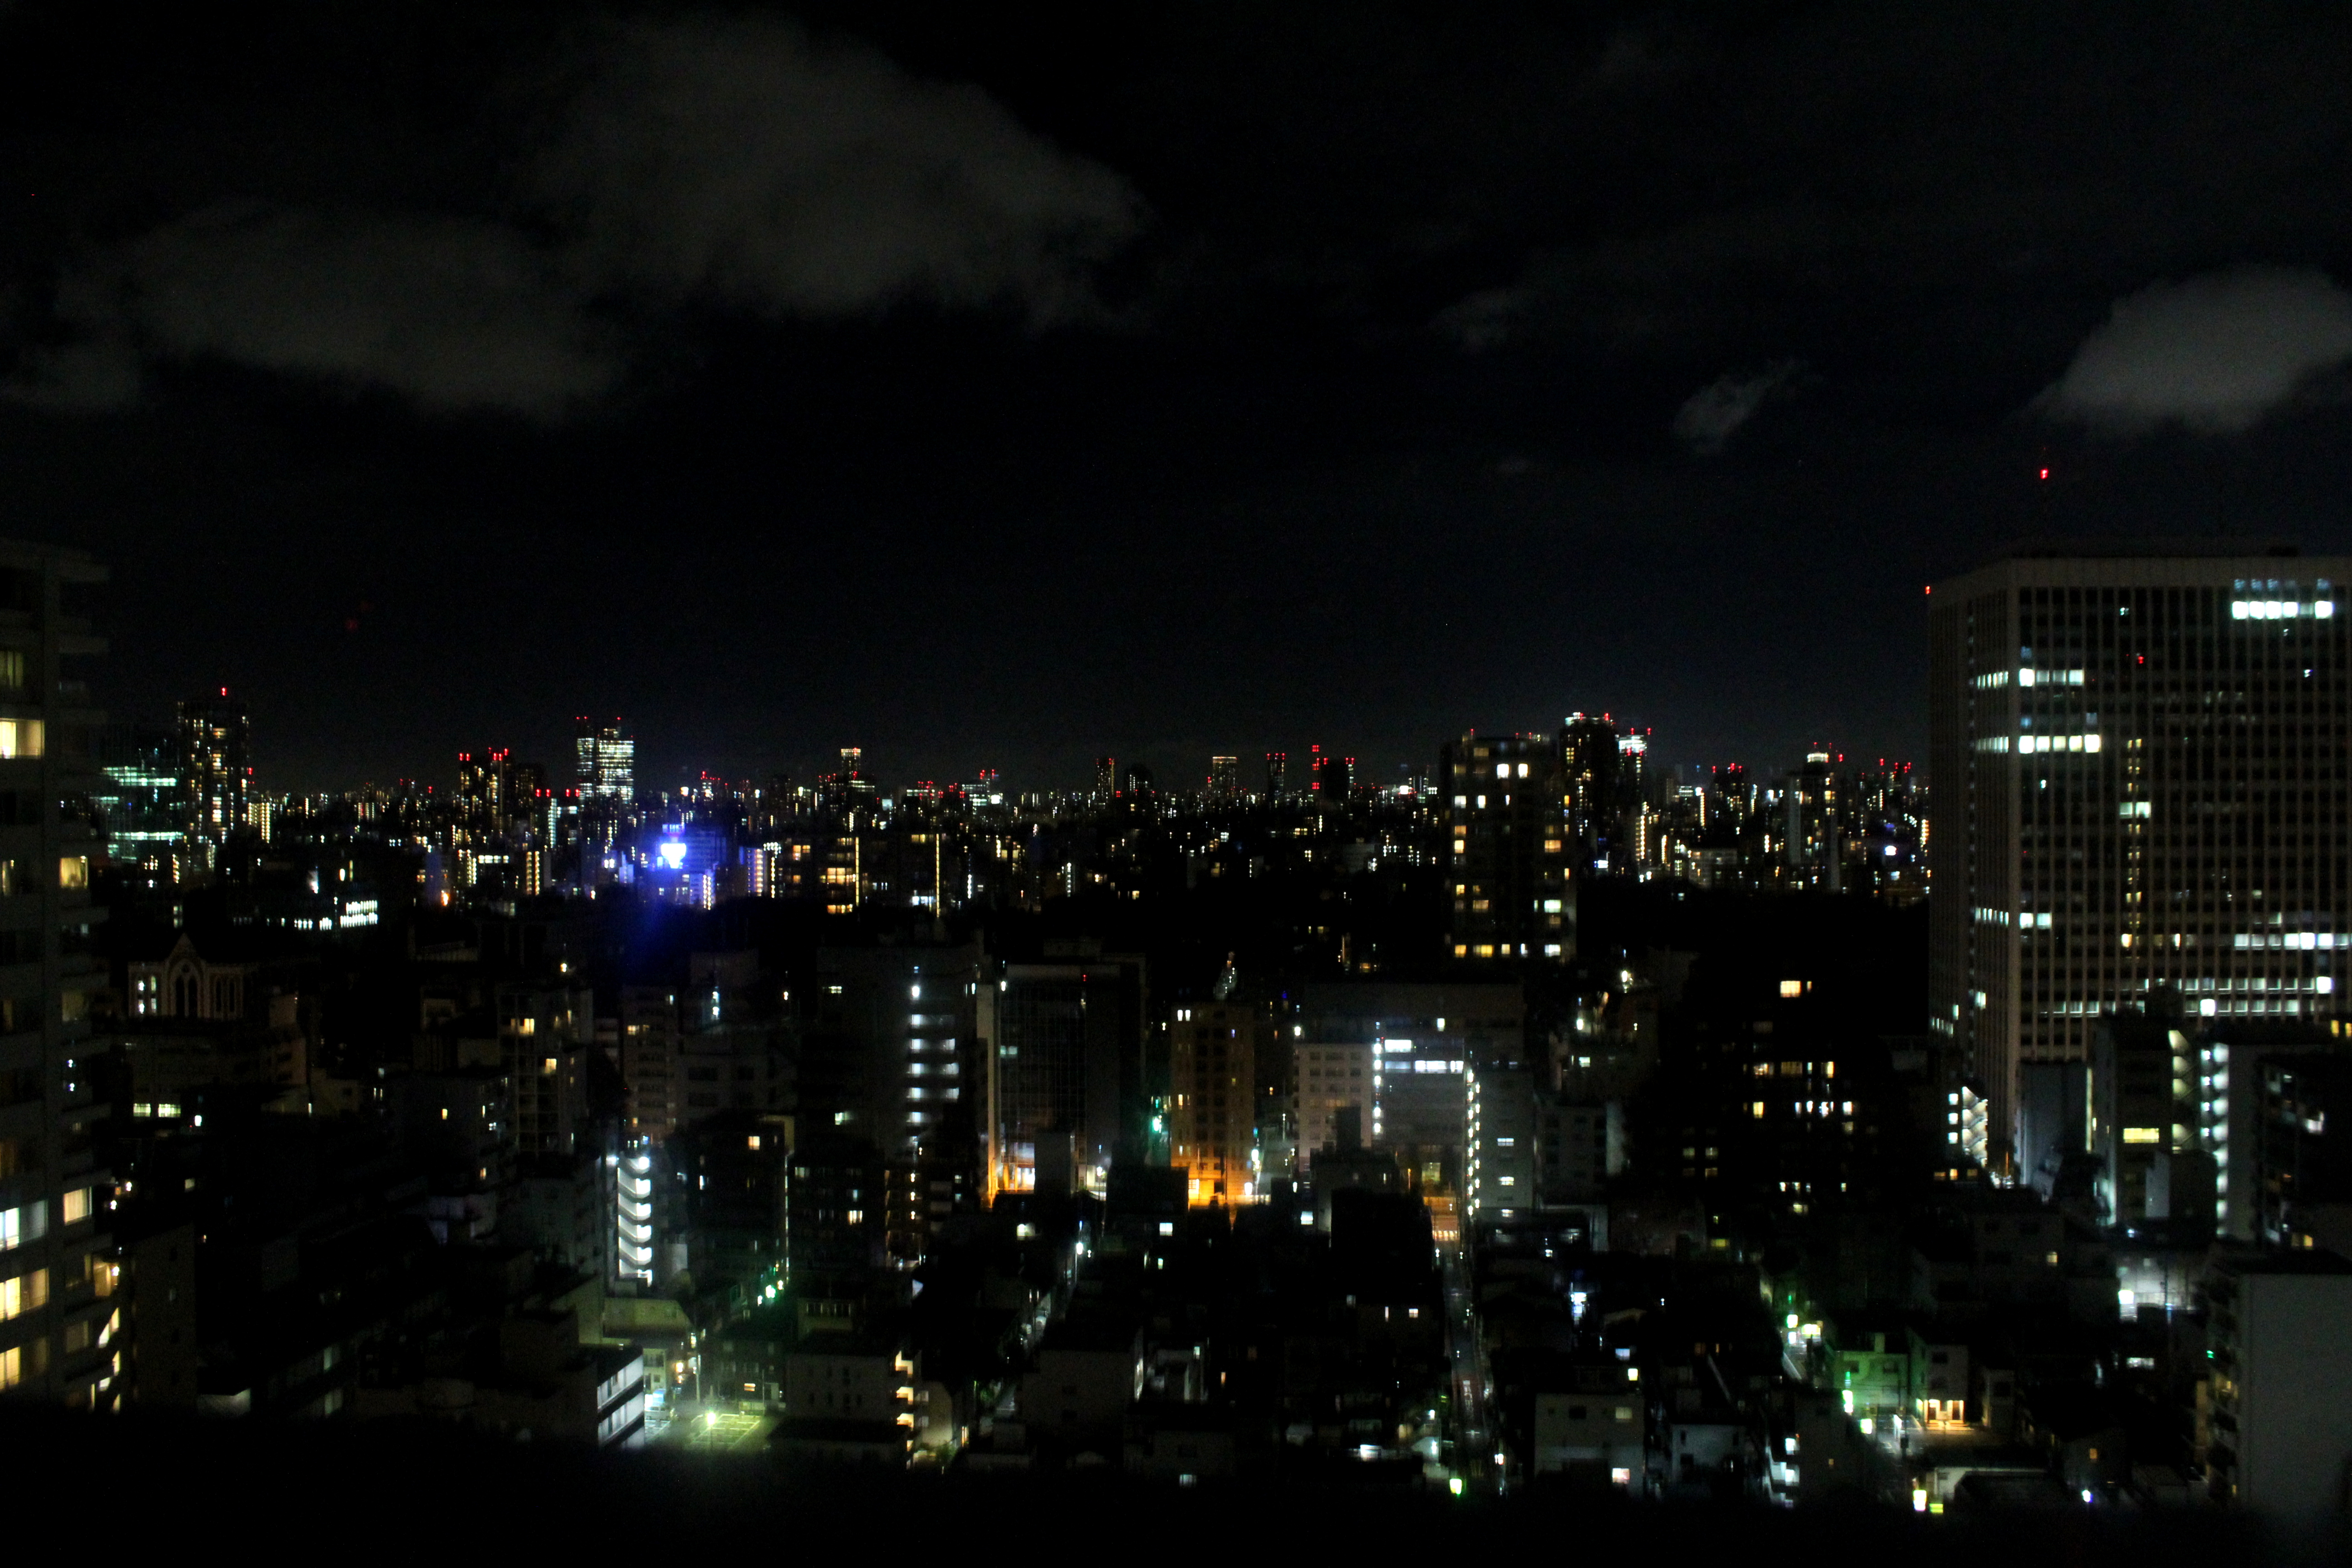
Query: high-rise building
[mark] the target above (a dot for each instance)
(1224, 777)
(1065, 1040)
(1812, 838)
(1599, 801)
(1330, 778)
(1506, 803)
(1277, 775)
(605, 758)
(216, 770)
(1106, 777)
(890, 1051)
(2138, 782)
(139, 797)
(60, 1330)
(1213, 1072)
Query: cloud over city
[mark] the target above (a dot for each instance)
(2214, 353)
(737, 165)
(1710, 417)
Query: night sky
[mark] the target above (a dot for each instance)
(992, 388)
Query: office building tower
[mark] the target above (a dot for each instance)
(2137, 778)
(1509, 867)
(1106, 777)
(1225, 778)
(1812, 835)
(1212, 1103)
(59, 1339)
(1277, 775)
(1641, 821)
(486, 790)
(1066, 1069)
(849, 787)
(605, 760)
(1599, 801)
(891, 1045)
(216, 770)
(138, 798)
(1329, 778)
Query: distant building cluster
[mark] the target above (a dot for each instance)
(1542, 1120)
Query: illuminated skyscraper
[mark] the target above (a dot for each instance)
(216, 765)
(59, 1328)
(1224, 777)
(1106, 777)
(1812, 843)
(1601, 799)
(140, 799)
(606, 757)
(2139, 782)
(1277, 775)
(1509, 867)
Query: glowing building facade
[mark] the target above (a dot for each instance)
(216, 737)
(2140, 780)
(605, 758)
(1508, 871)
(1212, 1070)
(61, 1326)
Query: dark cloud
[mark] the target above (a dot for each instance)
(729, 164)
(1712, 414)
(2214, 353)
(453, 314)
(739, 162)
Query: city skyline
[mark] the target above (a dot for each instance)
(1588, 768)
(1140, 403)
(1169, 773)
